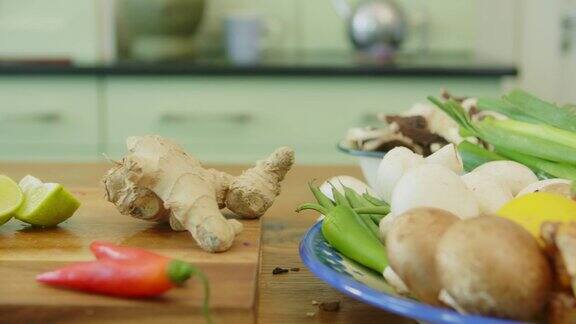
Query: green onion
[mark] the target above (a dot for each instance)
(505, 108)
(473, 155)
(550, 133)
(510, 135)
(550, 169)
(500, 134)
(561, 117)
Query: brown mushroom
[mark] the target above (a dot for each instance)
(411, 248)
(491, 266)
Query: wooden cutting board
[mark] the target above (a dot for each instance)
(26, 251)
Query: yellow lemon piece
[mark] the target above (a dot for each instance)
(531, 210)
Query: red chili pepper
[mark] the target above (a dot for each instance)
(124, 279)
(126, 272)
(105, 250)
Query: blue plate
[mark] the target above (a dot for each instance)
(368, 286)
(342, 147)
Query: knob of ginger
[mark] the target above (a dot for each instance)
(158, 181)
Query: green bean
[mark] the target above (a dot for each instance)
(473, 155)
(339, 198)
(320, 197)
(378, 210)
(346, 232)
(315, 207)
(373, 200)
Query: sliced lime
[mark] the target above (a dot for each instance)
(11, 198)
(45, 204)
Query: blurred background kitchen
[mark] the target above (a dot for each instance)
(233, 79)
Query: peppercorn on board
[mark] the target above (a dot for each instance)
(26, 252)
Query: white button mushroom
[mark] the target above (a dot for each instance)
(510, 174)
(558, 186)
(394, 164)
(430, 185)
(489, 193)
(447, 156)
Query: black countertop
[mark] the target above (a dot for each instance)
(317, 64)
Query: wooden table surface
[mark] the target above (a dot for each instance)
(283, 298)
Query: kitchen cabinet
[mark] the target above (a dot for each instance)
(56, 29)
(233, 119)
(49, 118)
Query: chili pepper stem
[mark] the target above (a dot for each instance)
(206, 304)
(179, 272)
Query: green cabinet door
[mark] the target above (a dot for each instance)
(48, 118)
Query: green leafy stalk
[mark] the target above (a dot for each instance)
(505, 108)
(473, 155)
(550, 169)
(545, 132)
(346, 232)
(551, 114)
(501, 135)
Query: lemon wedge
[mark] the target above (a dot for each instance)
(532, 210)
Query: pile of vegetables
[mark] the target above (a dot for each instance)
(518, 127)
(487, 227)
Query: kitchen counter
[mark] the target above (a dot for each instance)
(303, 64)
(284, 298)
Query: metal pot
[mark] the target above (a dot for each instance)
(375, 26)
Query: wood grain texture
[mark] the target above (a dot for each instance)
(285, 298)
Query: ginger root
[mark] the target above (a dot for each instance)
(158, 181)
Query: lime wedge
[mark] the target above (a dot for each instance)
(45, 204)
(11, 198)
